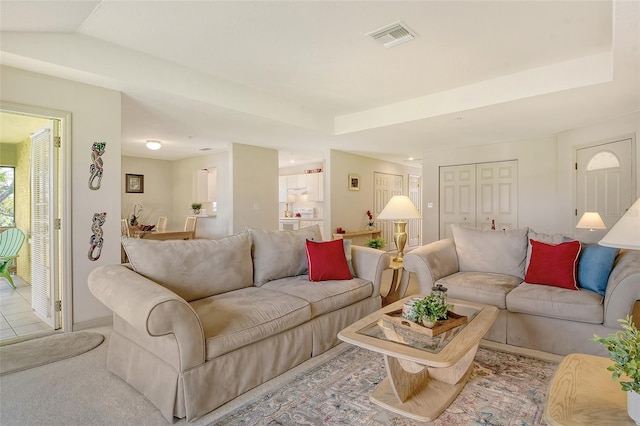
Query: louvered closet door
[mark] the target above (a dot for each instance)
(44, 205)
(386, 186)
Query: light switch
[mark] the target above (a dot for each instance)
(430, 205)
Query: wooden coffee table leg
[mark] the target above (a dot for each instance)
(421, 392)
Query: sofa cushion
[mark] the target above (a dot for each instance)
(326, 296)
(193, 269)
(555, 302)
(327, 261)
(241, 317)
(594, 267)
(480, 287)
(545, 238)
(279, 254)
(554, 264)
(501, 252)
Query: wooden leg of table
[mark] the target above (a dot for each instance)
(636, 313)
(416, 392)
(398, 287)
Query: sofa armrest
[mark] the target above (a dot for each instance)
(151, 309)
(432, 262)
(623, 288)
(369, 264)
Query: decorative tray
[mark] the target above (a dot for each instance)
(454, 320)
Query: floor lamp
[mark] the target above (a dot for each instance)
(399, 209)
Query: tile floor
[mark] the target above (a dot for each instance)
(16, 316)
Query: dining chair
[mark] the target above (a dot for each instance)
(162, 223)
(10, 242)
(190, 225)
(124, 228)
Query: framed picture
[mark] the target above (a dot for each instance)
(354, 182)
(134, 183)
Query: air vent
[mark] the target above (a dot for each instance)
(393, 34)
(205, 149)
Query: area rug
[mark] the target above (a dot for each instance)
(503, 389)
(44, 350)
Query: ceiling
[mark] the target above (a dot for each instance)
(302, 77)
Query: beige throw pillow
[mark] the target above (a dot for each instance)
(194, 269)
(501, 252)
(280, 254)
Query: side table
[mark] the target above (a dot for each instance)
(398, 286)
(582, 392)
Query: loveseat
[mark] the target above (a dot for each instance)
(198, 322)
(497, 268)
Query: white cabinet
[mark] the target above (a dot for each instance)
(315, 186)
(282, 189)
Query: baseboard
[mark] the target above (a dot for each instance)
(98, 322)
(546, 356)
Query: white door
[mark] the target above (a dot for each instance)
(457, 197)
(414, 226)
(497, 195)
(604, 180)
(45, 291)
(386, 186)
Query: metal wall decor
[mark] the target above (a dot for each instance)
(95, 170)
(96, 241)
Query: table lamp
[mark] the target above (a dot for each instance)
(626, 232)
(398, 209)
(591, 221)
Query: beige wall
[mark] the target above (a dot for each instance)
(157, 199)
(7, 154)
(349, 208)
(96, 116)
(254, 181)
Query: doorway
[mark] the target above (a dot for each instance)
(40, 179)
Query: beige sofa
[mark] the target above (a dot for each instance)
(197, 323)
(489, 267)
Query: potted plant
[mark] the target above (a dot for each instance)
(430, 309)
(376, 243)
(196, 207)
(624, 350)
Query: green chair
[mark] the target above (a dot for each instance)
(10, 242)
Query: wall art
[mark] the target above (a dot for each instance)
(95, 170)
(134, 183)
(354, 182)
(96, 240)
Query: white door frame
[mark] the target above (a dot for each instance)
(66, 274)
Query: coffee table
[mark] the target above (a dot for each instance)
(424, 374)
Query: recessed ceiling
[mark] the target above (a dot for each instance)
(303, 75)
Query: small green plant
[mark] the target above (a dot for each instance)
(376, 243)
(433, 308)
(624, 350)
(196, 206)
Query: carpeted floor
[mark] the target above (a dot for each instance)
(332, 389)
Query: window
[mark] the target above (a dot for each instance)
(7, 203)
(603, 160)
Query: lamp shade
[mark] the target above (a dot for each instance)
(399, 207)
(626, 232)
(591, 220)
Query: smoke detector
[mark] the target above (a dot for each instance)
(393, 34)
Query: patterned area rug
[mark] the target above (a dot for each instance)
(503, 389)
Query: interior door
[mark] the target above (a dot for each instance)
(414, 226)
(386, 186)
(45, 293)
(457, 197)
(604, 180)
(497, 195)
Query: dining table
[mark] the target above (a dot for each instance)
(163, 234)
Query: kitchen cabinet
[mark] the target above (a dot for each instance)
(315, 186)
(282, 189)
(309, 184)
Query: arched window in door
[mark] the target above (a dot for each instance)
(603, 160)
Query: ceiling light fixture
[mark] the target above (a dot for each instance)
(154, 145)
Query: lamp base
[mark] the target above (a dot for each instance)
(400, 239)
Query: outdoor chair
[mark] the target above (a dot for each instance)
(10, 242)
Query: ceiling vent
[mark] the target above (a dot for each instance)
(393, 34)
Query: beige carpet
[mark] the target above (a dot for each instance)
(39, 351)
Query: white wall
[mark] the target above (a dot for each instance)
(182, 189)
(254, 172)
(157, 199)
(349, 208)
(96, 115)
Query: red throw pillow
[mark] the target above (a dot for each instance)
(327, 261)
(554, 264)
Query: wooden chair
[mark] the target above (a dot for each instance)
(190, 225)
(124, 232)
(10, 242)
(162, 223)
